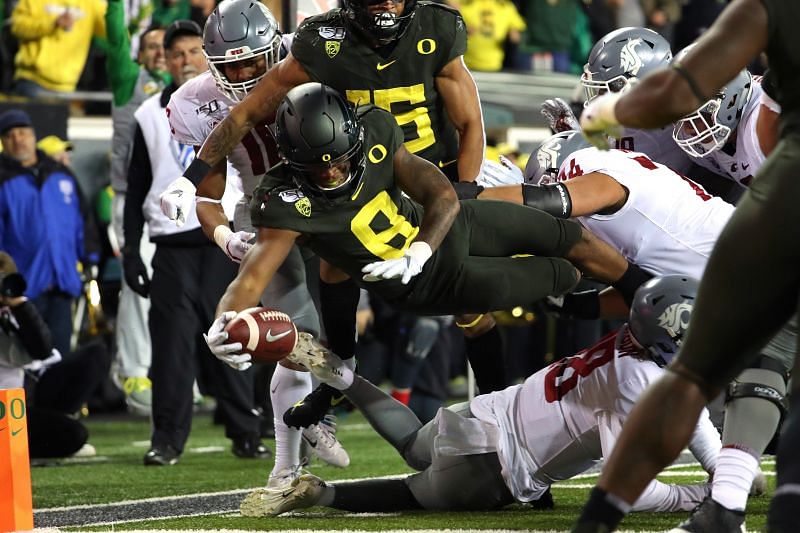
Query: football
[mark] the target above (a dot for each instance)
(267, 334)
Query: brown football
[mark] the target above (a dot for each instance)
(267, 334)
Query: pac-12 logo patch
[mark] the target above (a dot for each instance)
(332, 48)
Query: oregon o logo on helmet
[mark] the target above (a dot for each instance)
(426, 46)
(326, 157)
(377, 153)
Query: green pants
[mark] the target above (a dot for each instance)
(751, 284)
(474, 272)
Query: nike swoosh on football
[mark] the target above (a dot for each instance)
(272, 338)
(382, 66)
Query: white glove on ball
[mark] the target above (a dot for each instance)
(229, 353)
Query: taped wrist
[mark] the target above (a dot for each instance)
(633, 277)
(553, 198)
(221, 234)
(467, 190)
(196, 171)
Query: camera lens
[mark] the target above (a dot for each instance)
(13, 285)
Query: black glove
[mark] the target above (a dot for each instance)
(135, 272)
(583, 304)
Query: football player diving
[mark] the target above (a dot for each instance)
(340, 191)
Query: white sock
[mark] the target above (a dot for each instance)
(286, 389)
(733, 477)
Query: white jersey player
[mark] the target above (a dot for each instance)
(666, 223)
(732, 134)
(616, 62)
(236, 64)
(511, 445)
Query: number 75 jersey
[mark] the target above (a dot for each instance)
(401, 81)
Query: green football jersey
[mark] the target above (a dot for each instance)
(402, 82)
(374, 221)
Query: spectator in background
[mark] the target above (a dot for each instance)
(190, 273)
(56, 148)
(132, 82)
(54, 38)
(662, 15)
(489, 24)
(45, 225)
(549, 41)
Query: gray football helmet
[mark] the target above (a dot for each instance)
(621, 58)
(709, 128)
(546, 159)
(660, 315)
(238, 30)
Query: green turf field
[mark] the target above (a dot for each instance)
(208, 466)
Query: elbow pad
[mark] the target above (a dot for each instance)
(467, 190)
(553, 199)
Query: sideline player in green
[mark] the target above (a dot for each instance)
(750, 286)
(340, 191)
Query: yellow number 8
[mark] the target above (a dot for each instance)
(378, 242)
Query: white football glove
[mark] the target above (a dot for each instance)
(229, 353)
(405, 267)
(494, 174)
(235, 245)
(559, 115)
(38, 366)
(599, 121)
(177, 201)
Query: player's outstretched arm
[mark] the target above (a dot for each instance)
(426, 185)
(595, 193)
(257, 269)
(460, 96)
(259, 106)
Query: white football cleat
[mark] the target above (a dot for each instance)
(304, 491)
(284, 477)
(321, 440)
(319, 360)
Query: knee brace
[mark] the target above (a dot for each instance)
(774, 392)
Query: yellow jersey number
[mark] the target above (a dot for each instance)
(378, 242)
(415, 94)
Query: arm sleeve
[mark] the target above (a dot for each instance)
(705, 444)
(33, 332)
(29, 21)
(123, 72)
(140, 178)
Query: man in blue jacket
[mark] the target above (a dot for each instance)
(44, 224)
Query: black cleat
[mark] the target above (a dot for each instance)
(250, 447)
(161, 456)
(313, 408)
(544, 502)
(711, 517)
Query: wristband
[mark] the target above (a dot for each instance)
(196, 171)
(221, 234)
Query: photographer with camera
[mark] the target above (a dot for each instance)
(60, 388)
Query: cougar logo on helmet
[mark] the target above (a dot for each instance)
(630, 60)
(675, 318)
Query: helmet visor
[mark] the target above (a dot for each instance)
(594, 88)
(700, 133)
